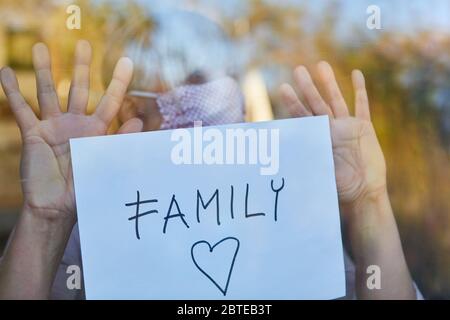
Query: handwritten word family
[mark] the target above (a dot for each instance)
(223, 201)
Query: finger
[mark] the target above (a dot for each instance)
(47, 97)
(310, 92)
(337, 101)
(110, 103)
(131, 126)
(290, 99)
(79, 88)
(25, 117)
(361, 100)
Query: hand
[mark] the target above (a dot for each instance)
(358, 159)
(360, 179)
(46, 170)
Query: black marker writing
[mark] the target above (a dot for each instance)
(169, 216)
(231, 202)
(247, 215)
(200, 199)
(199, 202)
(138, 214)
(275, 211)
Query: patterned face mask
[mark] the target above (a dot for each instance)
(214, 103)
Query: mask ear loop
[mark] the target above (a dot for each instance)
(142, 94)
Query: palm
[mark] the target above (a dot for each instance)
(46, 169)
(358, 159)
(359, 162)
(46, 166)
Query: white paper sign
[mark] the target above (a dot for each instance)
(261, 222)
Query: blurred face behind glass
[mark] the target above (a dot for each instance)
(173, 49)
(142, 104)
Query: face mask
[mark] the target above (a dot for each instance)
(216, 102)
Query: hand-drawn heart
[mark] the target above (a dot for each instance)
(211, 248)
